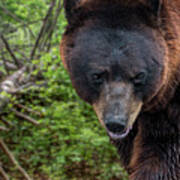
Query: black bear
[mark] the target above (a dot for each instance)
(123, 57)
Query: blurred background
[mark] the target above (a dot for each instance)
(46, 131)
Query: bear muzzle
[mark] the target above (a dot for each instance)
(116, 126)
(117, 109)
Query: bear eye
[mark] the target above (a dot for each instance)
(139, 79)
(98, 78)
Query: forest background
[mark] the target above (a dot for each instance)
(46, 131)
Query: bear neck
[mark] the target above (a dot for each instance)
(156, 151)
(153, 146)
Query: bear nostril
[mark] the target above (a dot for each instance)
(115, 128)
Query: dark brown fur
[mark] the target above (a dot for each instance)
(152, 149)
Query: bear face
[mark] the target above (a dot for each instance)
(116, 64)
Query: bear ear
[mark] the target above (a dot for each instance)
(70, 6)
(155, 6)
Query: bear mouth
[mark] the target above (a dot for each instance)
(119, 135)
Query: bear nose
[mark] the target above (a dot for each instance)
(115, 127)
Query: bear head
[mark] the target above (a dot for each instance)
(116, 56)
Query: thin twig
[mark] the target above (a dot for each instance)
(13, 160)
(5, 64)
(28, 109)
(22, 25)
(10, 14)
(53, 2)
(53, 25)
(3, 173)
(29, 119)
(2, 128)
(7, 123)
(10, 51)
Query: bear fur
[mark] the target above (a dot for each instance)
(123, 57)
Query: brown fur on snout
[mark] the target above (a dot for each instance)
(119, 100)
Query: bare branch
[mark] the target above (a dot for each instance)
(3, 128)
(53, 3)
(16, 61)
(7, 123)
(28, 109)
(9, 13)
(13, 160)
(15, 84)
(29, 119)
(10, 84)
(3, 173)
(53, 25)
(5, 64)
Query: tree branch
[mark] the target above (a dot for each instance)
(3, 173)
(9, 13)
(7, 123)
(28, 109)
(13, 160)
(53, 25)
(3, 128)
(16, 61)
(53, 2)
(29, 119)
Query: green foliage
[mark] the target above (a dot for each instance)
(26, 11)
(69, 143)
